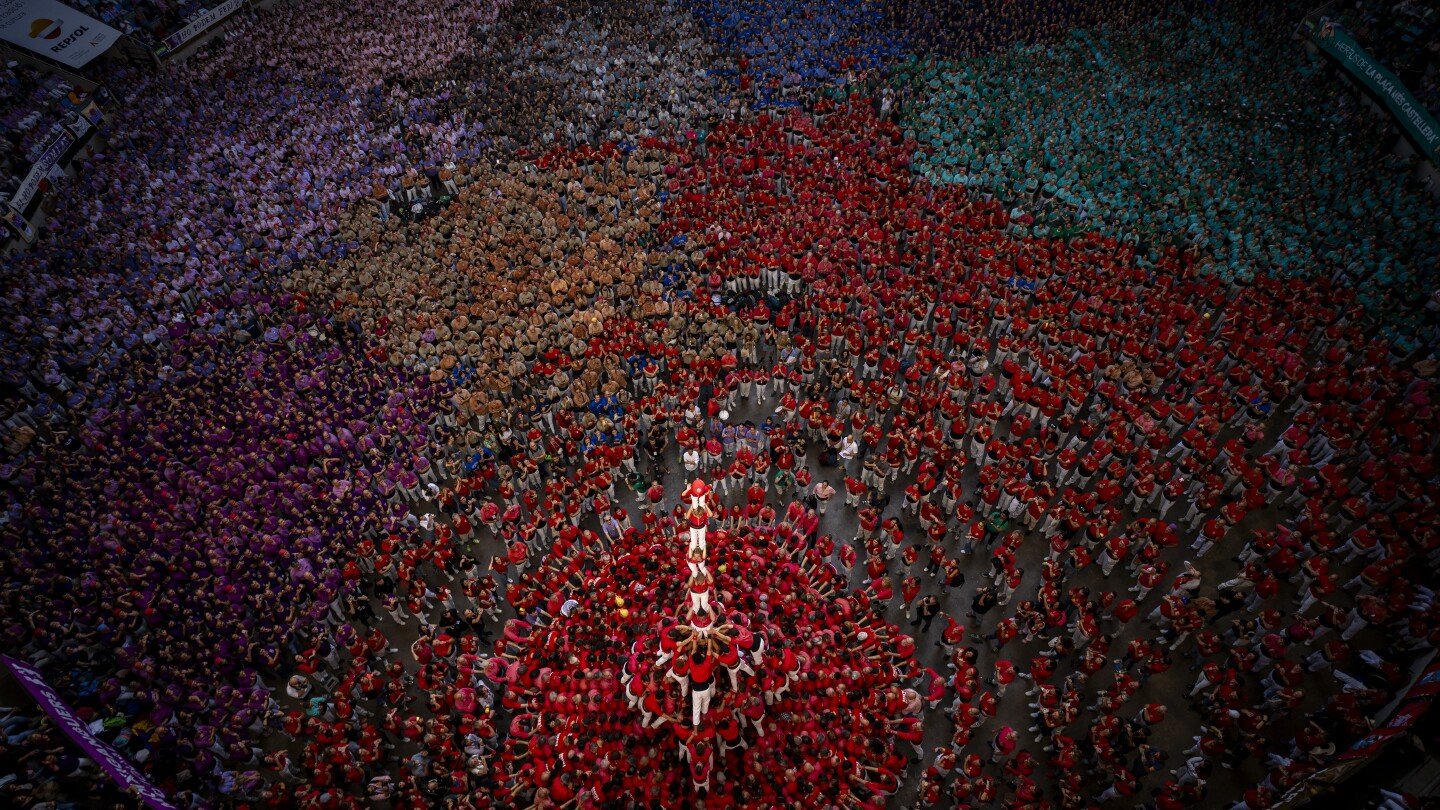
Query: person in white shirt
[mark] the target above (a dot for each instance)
(849, 449)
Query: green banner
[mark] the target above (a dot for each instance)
(1411, 115)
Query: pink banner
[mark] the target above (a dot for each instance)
(119, 768)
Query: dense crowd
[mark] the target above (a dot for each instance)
(149, 21)
(978, 28)
(34, 106)
(1405, 35)
(1085, 135)
(786, 47)
(560, 74)
(229, 483)
(238, 165)
(361, 464)
(37, 766)
(1089, 450)
(755, 668)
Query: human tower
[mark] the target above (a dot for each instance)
(739, 650)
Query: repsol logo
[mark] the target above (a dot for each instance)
(69, 39)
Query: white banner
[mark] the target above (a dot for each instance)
(55, 30)
(201, 23)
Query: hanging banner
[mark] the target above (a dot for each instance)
(40, 169)
(1398, 724)
(55, 151)
(201, 23)
(1416, 702)
(119, 768)
(55, 31)
(1380, 82)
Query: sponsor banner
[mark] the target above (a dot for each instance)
(1380, 82)
(201, 23)
(55, 31)
(119, 768)
(51, 157)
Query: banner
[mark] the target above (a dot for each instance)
(55, 31)
(119, 768)
(1316, 783)
(53, 154)
(1398, 724)
(201, 23)
(1384, 85)
(30, 186)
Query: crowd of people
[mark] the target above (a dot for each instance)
(37, 766)
(238, 164)
(562, 74)
(149, 21)
(1404, 35)
(1181, 454)
(978, 28)
(755, 668)
(189, 529)
(360, 465)
(34, 106)
(1129, 132)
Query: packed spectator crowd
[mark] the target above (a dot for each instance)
(350, 468)
(149, 21)
(34, 107)
(788, 46)
(1086, 135)
(561, 74)
(742, 667)
(1404, 35)
(38, 767)
(205, 163)
(985, 26)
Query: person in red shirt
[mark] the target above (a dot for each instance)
(854, 489)
(909, 590)
(1005, 675)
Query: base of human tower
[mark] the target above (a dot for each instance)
(706, 665)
